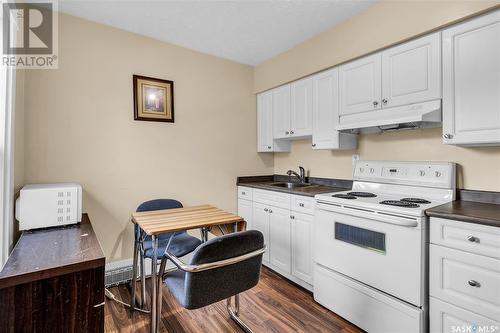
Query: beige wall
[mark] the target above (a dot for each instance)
(479, 167)
(379, 26)
(79, 127)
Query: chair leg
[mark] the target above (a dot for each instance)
(134, 276)
(234, 313)
(160, 292)
(143, 279)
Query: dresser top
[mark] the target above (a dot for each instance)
(45, 253)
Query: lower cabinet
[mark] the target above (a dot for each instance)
(464, 277)
(287, 232)
(279, 225)
(302, 265)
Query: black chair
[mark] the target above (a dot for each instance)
(181, 244)
(219, 269)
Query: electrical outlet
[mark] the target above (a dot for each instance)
(355, 158)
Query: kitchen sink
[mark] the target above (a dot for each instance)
(291, 185)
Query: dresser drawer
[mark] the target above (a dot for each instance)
(303, 204)
(447, 318)
(245, 192)
(470, 237)
(466, 279)
(276, 199)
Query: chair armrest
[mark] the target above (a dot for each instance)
(216, 264)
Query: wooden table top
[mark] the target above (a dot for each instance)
(169, 220)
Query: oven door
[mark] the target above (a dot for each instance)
(384, 251)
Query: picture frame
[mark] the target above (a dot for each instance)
(153, 99)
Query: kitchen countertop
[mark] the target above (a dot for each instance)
(474, 206)
(319, 185)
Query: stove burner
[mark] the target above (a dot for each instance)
(416, 200)
(344, 196)
(362, 194)
(399, 203)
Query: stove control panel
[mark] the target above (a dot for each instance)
(431, 174)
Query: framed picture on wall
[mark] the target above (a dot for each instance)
(153, 99)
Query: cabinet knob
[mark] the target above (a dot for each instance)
(243, 193)
(301, 204)
(474, 283)
(287, 132)
(314, 145)
(265, 209)
(375, 103)
(384, 101)
(291, 132)
(268, 147)
(473, 239)
(448, 136)
(292, 217)
(270, 211)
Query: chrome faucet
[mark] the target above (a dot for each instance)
(301, 177)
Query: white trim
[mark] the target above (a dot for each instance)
(7, 118)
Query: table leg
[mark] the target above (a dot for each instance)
(154, 284)
(163, 264)
(134, 274)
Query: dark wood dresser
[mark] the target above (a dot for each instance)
(53, 282)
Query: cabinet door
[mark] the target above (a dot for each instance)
(279, 221)
(471, 81)
(360, 85)
(260, 222)
(302, 265)
(301, 108)
(411, 72)
(326, 113)
(245, 211)
(265, 122)
(281, 112)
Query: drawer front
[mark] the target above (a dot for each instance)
(276, 199)
(245, 192)
(466, 279)
(448, 318)
(474, 238)
(303, 204)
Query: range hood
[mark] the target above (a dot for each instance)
(412, 116)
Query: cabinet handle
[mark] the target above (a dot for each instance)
(474, 283)
(270, 211)
(301, 204)
(448, 136)
(291, 132)
(287, 132)
(268, 147)
(292, 217)
(384, 101)
(314, 145)
(243, 193)
(473, 239)
(375, 103)
(265, 209)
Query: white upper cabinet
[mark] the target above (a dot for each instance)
(411, 72)
(301, 108)
(265, 137)
(265, 122)
(281, 112)
(360, 85)
(471, 82)
(326, 113)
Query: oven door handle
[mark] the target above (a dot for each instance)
(390, 218)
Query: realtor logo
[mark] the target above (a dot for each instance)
(29, 38)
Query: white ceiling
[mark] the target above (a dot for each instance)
(245, 31)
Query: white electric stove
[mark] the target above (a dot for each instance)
(371, 243)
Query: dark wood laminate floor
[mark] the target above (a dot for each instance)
(274, 305)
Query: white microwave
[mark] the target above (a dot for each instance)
(49, 205)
